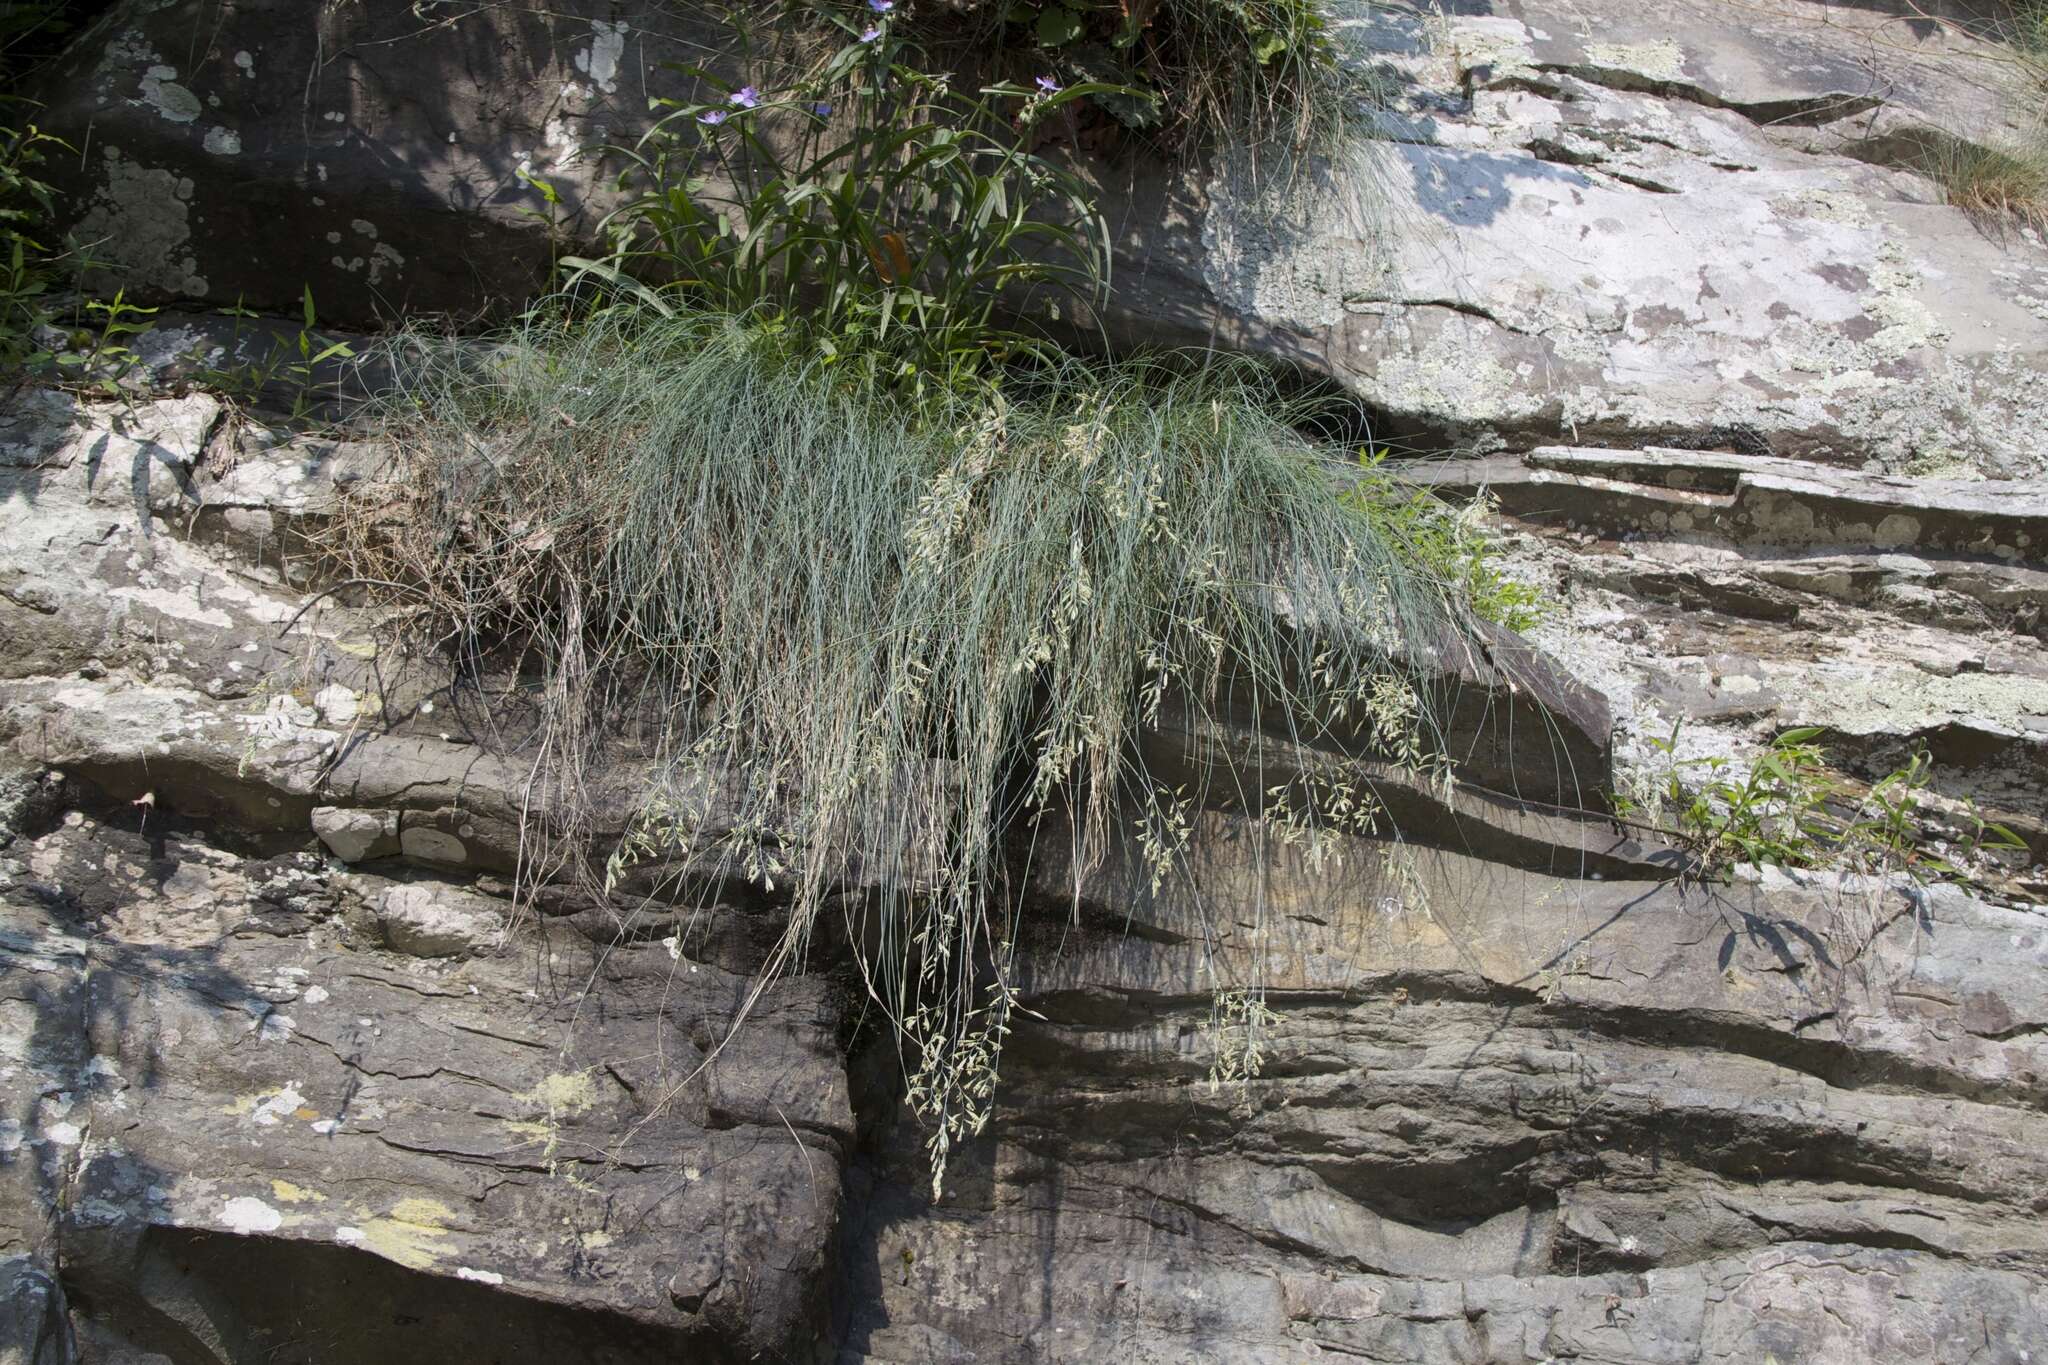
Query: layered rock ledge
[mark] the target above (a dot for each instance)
(289, 1080)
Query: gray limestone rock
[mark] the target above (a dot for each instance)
(35, 1323)
(1582, 221)
(289, 1074)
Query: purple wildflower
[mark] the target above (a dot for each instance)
(714, 117)
(823, 109)
(1048, 86)
(869, 35)
(881, 6)
(746, 97)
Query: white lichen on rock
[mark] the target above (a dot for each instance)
(140, 223)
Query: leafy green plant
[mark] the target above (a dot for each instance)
(292, 362)
(876, 217)
(29, 30)
(84, 343)
(99, 356)
(1264, 74)
(28, 268)
(872, 638)
(1452, 542)
(31, 254)
(1788, 810)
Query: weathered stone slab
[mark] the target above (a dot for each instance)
(260, 1120)
(1758, 501)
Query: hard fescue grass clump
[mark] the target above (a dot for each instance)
(2003, 183)
(1999, 183)
(2004, 180)
(871, 641)
(2026, 29)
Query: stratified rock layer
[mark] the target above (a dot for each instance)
(1526, 1120)
(1717, 600)
(287, 1080)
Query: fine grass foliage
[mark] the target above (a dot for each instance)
(2003, 179)
(868, 641)
(2027, 31)
(2008, 182)
(792, 495)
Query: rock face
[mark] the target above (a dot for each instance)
(1627, 223)
(1594, 221)
(286, 1081)
(1724, 599)
(1480, 1132)
(384, 155)
(263, 1105)
(285, 1078)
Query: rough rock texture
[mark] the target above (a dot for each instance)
(1530, 1120)
(260, 1105)
(286, 1083)
(284, 1079)
(1589, 220)
(374, 152)
(270, 1135)
(35, 1325)
(1736, 597)
(1618, 221)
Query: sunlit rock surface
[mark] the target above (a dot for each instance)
(285, 1078)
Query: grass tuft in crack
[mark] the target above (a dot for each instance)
(2002, 183)
(865, 640)
(2000, 179)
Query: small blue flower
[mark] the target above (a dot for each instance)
(714, 117)
(881, 6)
(746, 97)
(823, 109)
(1048, 86)
(870, 35)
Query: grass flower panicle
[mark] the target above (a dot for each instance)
(893, 638)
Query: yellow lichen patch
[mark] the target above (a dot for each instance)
(304, 1113)
(289, 1193)
(409, 1233)
(425, 1212)
(564, 1092)
(241, 1106)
